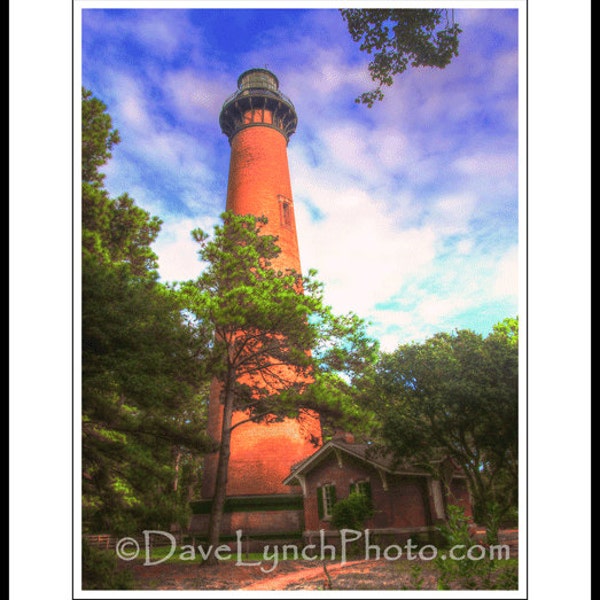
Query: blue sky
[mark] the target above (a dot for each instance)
(411, 211)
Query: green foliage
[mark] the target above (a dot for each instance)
(416, 578)
(455, 530)
(100, 570)
(467, 573)
(97, 138)
(507, 576)
(398, 38)
(507, 331)
(476, 571)
(143, 382)
(256, 313)
(494, 513)
(113, 230)
(352, 512)
(273, 334)
(456, 395)
(341, 377)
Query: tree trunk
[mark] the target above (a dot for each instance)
(218, 504)
(176, 462)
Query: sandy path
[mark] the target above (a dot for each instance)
(279, 582)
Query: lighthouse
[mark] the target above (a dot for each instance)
(258, 120)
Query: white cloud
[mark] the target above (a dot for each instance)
(347, 146)
(505, 72)
(164, 32)
(164, 167)
(197, 98)
(451, 214)
(393, 149)
(464, 246)
(131, 106)
(507, 275)
(487, 164)
(434, 310)
(357, 250)
(177, 251)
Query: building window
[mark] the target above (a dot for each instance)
(285, 211)
(361, 487)
(326, 498)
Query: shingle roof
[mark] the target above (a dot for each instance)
(366, 452)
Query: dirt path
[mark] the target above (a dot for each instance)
(295, 575)
(305, 575)
(288, 575)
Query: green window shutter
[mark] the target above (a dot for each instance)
(333, 495)
(320, 501)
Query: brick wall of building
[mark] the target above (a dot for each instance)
(459, 494)
(403, 504)
(253, 523)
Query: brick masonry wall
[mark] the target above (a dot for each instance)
(408, 502)
(253, 523)
(259, 180)
(459, 494)
(403, 504)
(262, 454)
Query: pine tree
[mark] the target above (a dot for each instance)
(142, 375)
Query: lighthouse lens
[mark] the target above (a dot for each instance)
(258, 79)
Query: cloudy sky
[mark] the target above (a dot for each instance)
(411, 211)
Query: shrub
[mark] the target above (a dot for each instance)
(100, 570)
(352, 512)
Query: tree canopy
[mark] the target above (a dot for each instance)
(398, 38)
(142, 387)
(272, 333)
(456, 395)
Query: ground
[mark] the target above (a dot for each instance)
(296, 575)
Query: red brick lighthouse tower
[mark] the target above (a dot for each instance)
(259, 120)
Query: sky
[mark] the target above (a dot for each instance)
(410, 211)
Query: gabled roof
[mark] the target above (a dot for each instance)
(364, 452)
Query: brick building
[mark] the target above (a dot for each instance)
(407, 501)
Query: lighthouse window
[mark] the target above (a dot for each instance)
(285, 211)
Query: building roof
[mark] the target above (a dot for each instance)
(364, 452)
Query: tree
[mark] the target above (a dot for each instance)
(97, 139)
(398, 38)
(113, 231)
(457, 395)
(272, 334)
(142, 373)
